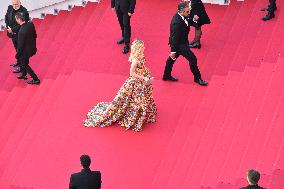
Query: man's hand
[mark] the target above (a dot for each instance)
(9, 30)
(195, 18)
(173, 55)
(113, 9)
(129, 14)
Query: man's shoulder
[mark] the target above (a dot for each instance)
(176, 19)
(23, 9)
(10, 7)
(80, 173)
(175, 16)
(96, 172)
(75, 174)
(28, 26)
(254, 187)
(30, 23)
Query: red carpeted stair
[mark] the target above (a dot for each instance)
(204, 137)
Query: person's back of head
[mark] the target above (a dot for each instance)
(182, 6)
(85, 161)
(253, 177)
(21, 16)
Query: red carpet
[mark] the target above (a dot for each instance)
(204, 138)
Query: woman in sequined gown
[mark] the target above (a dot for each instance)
(134, 104)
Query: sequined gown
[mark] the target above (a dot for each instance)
(132, 106)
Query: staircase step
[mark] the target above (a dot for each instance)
(30, 134)
(227, 126)
(186, 161)
(180, 134)
(243, 21)
(207, 142)
(277, 181)
(18, 124)
(247, 41)
(239, 126)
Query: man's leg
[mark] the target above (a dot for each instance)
(168, 69)
(15, 43)
(26, 69)
(127, 28)
(30, 71)
(120, 20)
(272, 7)
(270, 10)
(22, 63)
(192, 60)
(270, 2)
(127, 32)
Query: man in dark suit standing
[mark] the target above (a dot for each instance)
(124, 10)
(253, 177)
(179, 44)
(270, 10)
(13, 27)
(26, 47)
(86, 179)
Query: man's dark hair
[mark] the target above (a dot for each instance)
(21, 16)
(253, 176)
(85, 161)
(182, 5)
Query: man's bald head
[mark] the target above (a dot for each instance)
(16, 4)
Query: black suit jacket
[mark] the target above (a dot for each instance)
(179, 31)
(10, 18)
(252, 187)
(124, 5)
(26, 41)
(86, 179)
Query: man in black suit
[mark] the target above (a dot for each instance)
(124, 10)
(179, 44)
(86, 179)
(26, 47)
(13, 27)
(253, 177)
(270, 10)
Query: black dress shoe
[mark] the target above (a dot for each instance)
(171, 78)
(125, 49)
(24, 77)
(18, 70)
(201, 82)
(14, 65)
(195, 45)
(268, 17)
(34, 82)
(120, 41)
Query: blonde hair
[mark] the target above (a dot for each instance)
(136, 52)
